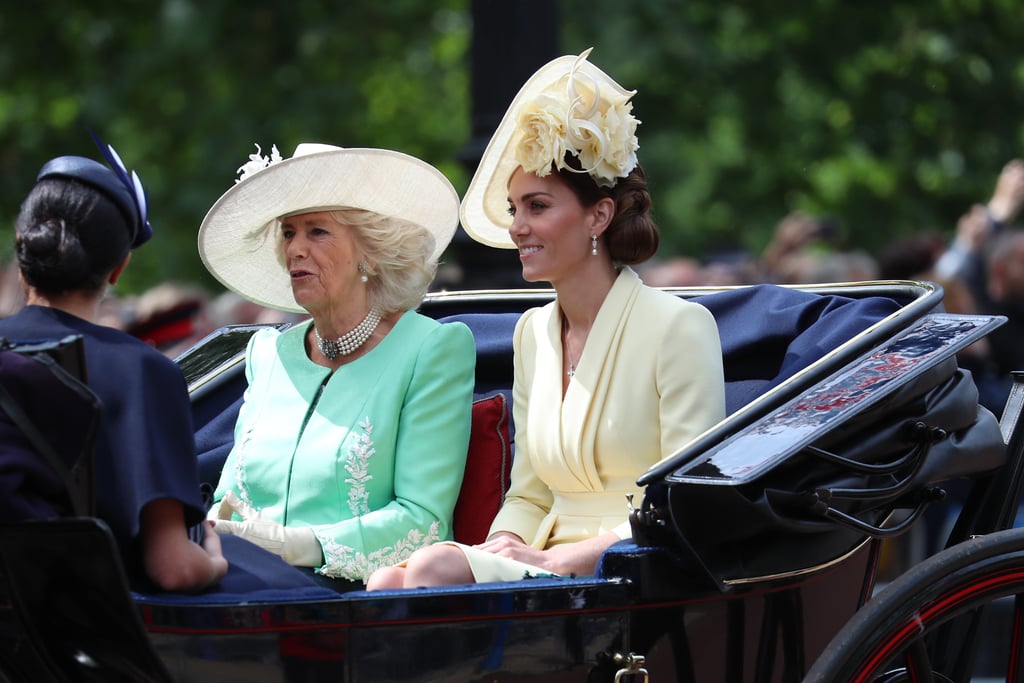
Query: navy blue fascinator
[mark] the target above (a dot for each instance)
(121, 187)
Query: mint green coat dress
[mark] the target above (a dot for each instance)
(370, 457)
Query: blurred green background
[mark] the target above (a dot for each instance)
(890, 117)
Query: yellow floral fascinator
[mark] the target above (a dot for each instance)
(568, 105)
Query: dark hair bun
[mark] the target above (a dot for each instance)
(632, 236)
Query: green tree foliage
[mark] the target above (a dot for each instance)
(184, 88)
(892, 117)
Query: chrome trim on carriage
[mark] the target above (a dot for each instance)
(799, 572)
(915, 289)
(210, 360)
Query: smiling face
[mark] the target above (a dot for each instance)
(550, 227)
(322, 257)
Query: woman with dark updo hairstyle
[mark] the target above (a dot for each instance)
(73, 239)
(611, 377)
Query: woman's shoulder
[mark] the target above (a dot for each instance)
(537, 314)
(416, 323)
(267, 337)
(530, 327)
(418, 342)
(661, 314)
(119, 361)
(36, 323)
(270, 342)
(659, 299)
(121, 345)
(425, 329)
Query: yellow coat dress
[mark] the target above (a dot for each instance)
(649, 380)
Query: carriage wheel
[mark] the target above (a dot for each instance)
(929, 624)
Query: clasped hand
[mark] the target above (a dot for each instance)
(298, 546)
(580, 557)
(511, 546)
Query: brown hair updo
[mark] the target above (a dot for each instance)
(632, 235)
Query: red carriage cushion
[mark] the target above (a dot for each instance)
(488, 467)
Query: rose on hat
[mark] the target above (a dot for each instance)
(238, 236)
(568, 106)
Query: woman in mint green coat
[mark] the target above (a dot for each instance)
(351, 442)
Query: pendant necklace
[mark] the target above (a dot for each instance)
(568, 351)
(351, 340)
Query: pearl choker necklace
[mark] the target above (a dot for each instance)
(351, 340)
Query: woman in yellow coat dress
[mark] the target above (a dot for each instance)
(612, 376)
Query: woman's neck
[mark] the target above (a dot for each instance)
(383, 327)
(79, 304)
(580, 297)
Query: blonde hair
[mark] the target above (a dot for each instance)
(397, 256)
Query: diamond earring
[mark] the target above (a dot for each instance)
(362, 269)
(593, 245)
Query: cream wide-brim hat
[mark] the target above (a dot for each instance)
(484, 209)
(237, 239)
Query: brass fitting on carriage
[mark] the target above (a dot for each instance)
(632, 668)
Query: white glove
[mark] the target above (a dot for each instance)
(230, 504)
(298, 546)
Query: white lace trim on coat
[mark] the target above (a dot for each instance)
(358, 467)
(243, 490)
(342, 561)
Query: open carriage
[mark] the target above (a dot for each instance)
(755, 556)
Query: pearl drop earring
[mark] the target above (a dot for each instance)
(593, 245)
(362, 269)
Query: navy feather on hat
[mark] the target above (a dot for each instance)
(122, 188)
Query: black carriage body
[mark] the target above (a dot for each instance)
(695, 604)
(541, 630)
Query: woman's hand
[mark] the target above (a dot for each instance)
(172, 560)
(511, 546)
(569, 558)
(298, 546)
(211, 544)
(231, 504)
